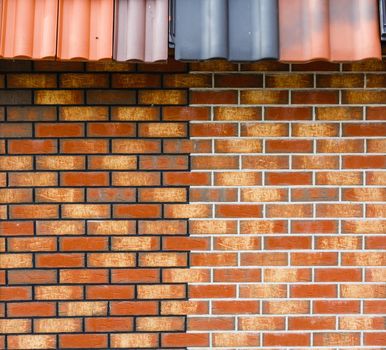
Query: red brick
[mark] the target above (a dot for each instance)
(32, 146)
(59, 130)
(213, 97)
(111, 130)
(84, 341)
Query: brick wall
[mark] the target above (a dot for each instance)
(275, 171)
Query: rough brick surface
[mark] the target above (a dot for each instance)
(196, 205)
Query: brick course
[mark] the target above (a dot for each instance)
(205, 205)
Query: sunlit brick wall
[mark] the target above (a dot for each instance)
(192, 205)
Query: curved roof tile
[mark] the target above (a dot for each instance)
(28, 28)
(141, 30)
(85, 29)
(334, 30)
(239, 30)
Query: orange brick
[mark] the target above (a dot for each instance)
(136, 146)
(82, 80)
(134, 308)
(16, 163)
(52, 325)
(289, 146)
(59, 195)
(60, 260)
(157, 324)
(31, 80)
(163, 162)
(68, 227)
(32, 341)
(58, 292)
(112, 162)
(30, 309)
(34, 276)
(8, 195)
(116, 227)
(112, 324)
(213, 97)
(237, 113)
(15, 326)
(289, 210)
(61, 97)
(32, 146)
(164, 227)
(83, 341)
(179, 275)
(314, 259)
(162, 259)
(263, 291)
(237, 275)
(184, 340)
(162, 130)
(242, 210)
(162, 195)
(288, 178)
(105, 292)
(111, 129)
(31, 244)
(83, 113)
(85, 211)
(162, 97)
(82, 276)
(263, 226)
(134, 243)
(283, 339)
(214, 259)
(135, 276)
(15, 293)
(236, 339)
(136, 179)
(90, 146)
(162, 291)
(141, 340)
(261, 323)
(278, 307)
(185, 211)
(340, 339)
(83, 308)
(59, 130)
(111, 260)
(42, 211)
(339, 210)
(84, 179)
(264, 97)
(83, 243)
(263, 259)
(60, 162)
(137, 211)
(238, 146)
(35, 179)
